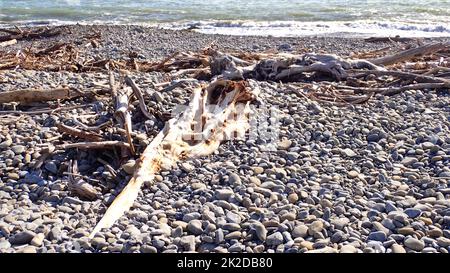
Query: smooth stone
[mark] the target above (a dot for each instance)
(4, 244)
(284, 144)
(408, 161)
(38, 240)
(412, 212)
(340, 223)
(234, 179)
(129, 166)
(307, 244)
(352, 174)
(292, 198)
(300, 231)
(27, 249)
(18, 149)
(148, 249)
(414, 244)
(406, 231)
(258, 170)
(233, 217)
(260, 230)
(23, 237)
(188, 242)
(99, 242)
(275, 239)
(233, 235)
(288, 216)
(51, 167)
(326, 249)
(443, 242)
(396, 248)
(223, 194)
(5, 144)
(195, 227)
(435, 233)
(315, 227)
(378, 226)
(348, 249)
(349, 152)
(379, 236)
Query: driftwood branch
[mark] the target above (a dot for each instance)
(78, 186)
(179, 140)
(79, 133)
(410, 53)
(8, 43)
(93, 145)
(138, 93)
(401, 74)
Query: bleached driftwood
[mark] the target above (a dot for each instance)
(138, 93)
(8, 43)
(122, 113)
(93, 145)
(212, 116)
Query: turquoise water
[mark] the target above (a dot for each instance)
(251, 17)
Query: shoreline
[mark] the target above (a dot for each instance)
(155, 43)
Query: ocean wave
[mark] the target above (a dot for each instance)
(276, 28)
(296, 28)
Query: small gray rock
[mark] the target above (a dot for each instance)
(379, 236)
(51, 167)
(300, 231)
(23, 237)
(275, 239)
(223, 194)
(260, 230)
(414, 244)
(195, 227)
(412, 212)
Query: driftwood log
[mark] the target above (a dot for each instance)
(35, 95)
(213, 115)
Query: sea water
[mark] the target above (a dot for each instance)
(407, 18)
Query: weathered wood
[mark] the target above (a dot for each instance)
(79, 133)
(30, 34)
(8, 43)
(175, 140)
(33, 95)
(122, 114)
(93, 145)
(401, 74)
(388, 39)
(43, 111)
(138, 93)
(78, 186)
(410, 53)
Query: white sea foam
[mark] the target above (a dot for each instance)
(296, 29)
(280, 28)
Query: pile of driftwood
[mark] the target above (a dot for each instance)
(17, 34)
(218, 108)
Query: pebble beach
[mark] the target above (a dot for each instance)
(365, 178)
